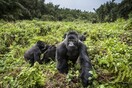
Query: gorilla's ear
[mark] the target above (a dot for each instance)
(85, 33)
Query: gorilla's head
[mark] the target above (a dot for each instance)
(42, 46)
(72, 40)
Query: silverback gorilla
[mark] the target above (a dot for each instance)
(71, 48)
(33, 54)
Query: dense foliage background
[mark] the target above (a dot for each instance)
(109, 46)
(38, 9)
(109, 42)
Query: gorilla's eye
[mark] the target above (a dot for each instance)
(72, 40)
(69, 39)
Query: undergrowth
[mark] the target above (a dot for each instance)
(109, 46)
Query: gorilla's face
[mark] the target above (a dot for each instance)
(42, 46)
(72, 41)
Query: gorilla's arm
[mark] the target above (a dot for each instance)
(62, 64)
(37, 56)
(85, 65)
(45, 58)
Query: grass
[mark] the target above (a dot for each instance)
(109, 46)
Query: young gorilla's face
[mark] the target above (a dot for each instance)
(42, 46)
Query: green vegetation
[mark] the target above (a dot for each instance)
(110, 11)
(11, 10)
(23, 22)
(109, 46)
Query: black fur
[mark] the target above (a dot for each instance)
(49, 54)
(71, 48)
(83, 36)
(33, 54)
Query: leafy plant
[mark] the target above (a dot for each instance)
(109, 48)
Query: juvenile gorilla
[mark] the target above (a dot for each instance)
(49, 54)
(33, 54)
(83, 36)
(71, 48)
